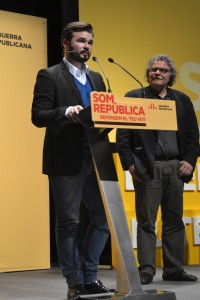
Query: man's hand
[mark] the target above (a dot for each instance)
(73, 111)
(185, 169)
(133, 173)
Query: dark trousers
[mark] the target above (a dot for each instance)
(166, 191)
(68, 192)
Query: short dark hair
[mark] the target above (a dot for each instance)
(169, 62)
(75, 27)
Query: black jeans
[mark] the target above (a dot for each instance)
(68, 191)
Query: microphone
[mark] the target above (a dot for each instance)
(67, 50)
(114, 62)
(95, 59)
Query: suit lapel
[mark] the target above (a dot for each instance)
(71, 82)
(179, 107)
(92, 81)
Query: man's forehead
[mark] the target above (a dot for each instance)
(158, 62)
(83, 34)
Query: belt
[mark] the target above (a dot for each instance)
(164, 158)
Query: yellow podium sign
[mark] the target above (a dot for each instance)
(111, 111)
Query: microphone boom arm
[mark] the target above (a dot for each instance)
(114, 62)
(109, 88)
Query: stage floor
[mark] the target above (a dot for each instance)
(49, 284)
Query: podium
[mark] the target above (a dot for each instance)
(128, 279)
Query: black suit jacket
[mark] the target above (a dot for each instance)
(138, 146)
(54, 91)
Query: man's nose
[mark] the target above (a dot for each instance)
(86, 45)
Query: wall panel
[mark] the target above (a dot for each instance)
(24, 203)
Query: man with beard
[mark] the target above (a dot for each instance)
(160, 161)
(60, 92)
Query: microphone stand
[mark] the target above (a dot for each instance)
(109, 88)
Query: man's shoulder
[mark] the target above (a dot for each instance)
(134, 93)
(178, 93)
(56, 68)
(52, 71)
(53, 68)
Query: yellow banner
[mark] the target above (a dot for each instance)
(24, 205)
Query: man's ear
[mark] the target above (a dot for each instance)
(65, 44)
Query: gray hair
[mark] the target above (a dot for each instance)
(168, 61)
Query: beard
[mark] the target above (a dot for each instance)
(80, 57)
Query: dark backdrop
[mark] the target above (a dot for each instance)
(58, 13)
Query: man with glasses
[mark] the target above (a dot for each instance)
(160, 161)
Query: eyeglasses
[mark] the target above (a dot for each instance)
(162, 70)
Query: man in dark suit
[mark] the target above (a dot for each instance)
(60, 92)
(160, 161)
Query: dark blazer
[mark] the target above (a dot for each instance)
(54, 91)
(138, 146)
